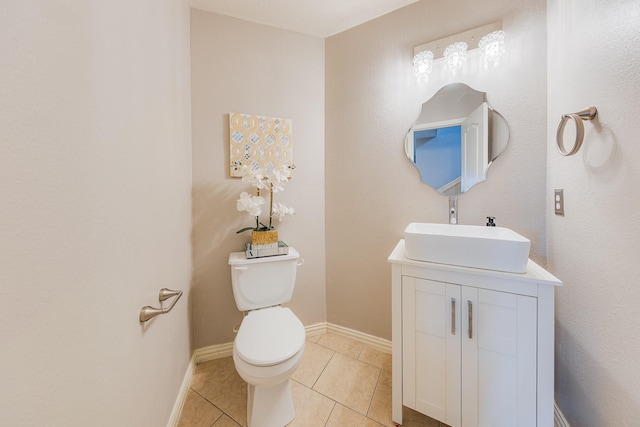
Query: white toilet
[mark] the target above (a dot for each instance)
(270, 341)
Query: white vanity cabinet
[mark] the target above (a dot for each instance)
(472, 347)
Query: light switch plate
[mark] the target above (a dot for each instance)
(558, 201)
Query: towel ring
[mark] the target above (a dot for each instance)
(586, 114)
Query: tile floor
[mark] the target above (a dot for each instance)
(339, 382)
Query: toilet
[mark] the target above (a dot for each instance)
(270, 341)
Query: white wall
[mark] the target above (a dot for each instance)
(594, 59)
(372, 99)
(239, 66)
(95, 217)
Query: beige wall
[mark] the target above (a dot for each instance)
(238, 66)
(372, 99)
(95, 175)
(95, 181)
(593, 59)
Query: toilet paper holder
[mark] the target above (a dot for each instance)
(148, 312)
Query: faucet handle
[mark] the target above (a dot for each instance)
(490, 222)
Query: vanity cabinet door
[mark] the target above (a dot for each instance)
(432, 329)
(469, 354)
(499, 359)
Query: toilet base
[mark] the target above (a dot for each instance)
(270, 406)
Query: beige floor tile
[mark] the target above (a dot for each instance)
(341, 345)
(348, 381)
(312, 408)
(376, 358)
(380, 408)
(315, 338)
(230, 396)
(314, 360)
(341, 417)
(197, 411)
(333, 367)
(225, 421)
(210, 374)
(411, 418)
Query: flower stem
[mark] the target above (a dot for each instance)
(270, 204)
(257, 216)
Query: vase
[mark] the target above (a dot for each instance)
(264, 237)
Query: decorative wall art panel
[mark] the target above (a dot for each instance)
(261, 143)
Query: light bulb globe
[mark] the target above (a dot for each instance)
(456, 55)
(423, 65)
(492, 45)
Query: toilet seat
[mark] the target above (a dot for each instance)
(269, 336)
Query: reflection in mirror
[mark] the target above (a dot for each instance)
(455, 139)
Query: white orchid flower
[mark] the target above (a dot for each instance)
(272, 179)
(286, 170)
(255, 178)
(249, 203)
(280, 211)
(278, 178)
(277, 187)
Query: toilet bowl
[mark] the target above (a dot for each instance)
(270, 341)
(266, 352)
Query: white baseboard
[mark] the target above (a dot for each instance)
(558, 417)
(366, 339)
(182, 394)
(316, 329)
(213, 352)
(219, 351)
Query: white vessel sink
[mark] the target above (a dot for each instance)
(490, 248)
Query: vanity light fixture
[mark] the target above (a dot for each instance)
(492, 45)
(455, 55)
(489, 38)
(423, 64)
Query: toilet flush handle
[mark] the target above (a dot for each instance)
(301, 261)
(241, 268)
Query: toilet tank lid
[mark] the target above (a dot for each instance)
(237, 258)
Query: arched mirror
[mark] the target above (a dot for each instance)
(455, 139)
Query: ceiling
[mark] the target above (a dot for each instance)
(320, 18)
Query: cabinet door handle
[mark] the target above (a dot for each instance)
(470, 309)
(453, 316)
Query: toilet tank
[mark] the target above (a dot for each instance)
(262, 282)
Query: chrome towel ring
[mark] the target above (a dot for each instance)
(586, 114)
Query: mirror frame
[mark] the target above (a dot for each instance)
(449, 106)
